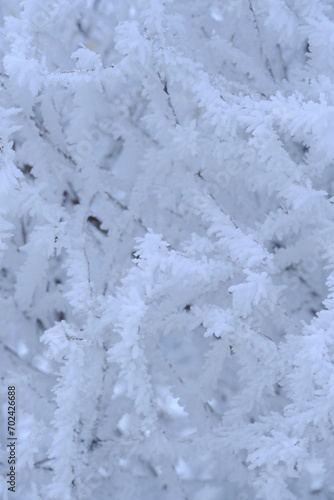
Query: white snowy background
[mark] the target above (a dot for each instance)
(167, 248)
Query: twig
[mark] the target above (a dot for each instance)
(44, 133)
(165, 89)
(78, 71)
(267, 64)
(25, 362)
(124, 207)
(88, 270)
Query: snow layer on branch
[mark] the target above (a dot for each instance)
(166, 230)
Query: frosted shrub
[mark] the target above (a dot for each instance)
(166, 224)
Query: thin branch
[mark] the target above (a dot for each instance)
(165, 89)
(23, 361)
(44, 133)
(40, 463)
(126, 208)
(267, 63)
(79, 71)
(88, 272)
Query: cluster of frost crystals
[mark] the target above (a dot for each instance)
(167, 247)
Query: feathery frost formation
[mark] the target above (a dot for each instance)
(166, 236)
